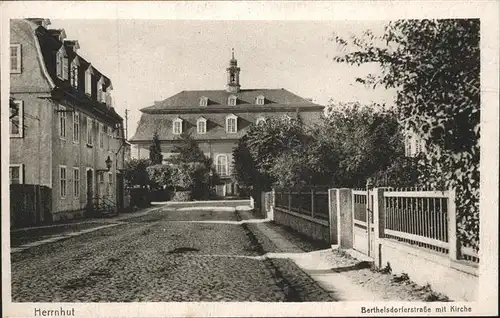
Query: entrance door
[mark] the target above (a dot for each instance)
(90, 192)
(119, 198)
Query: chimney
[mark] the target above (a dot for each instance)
(40, 22)
(59, 34)
(72, 44)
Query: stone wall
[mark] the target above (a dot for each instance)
(317, 229)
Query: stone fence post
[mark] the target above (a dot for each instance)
(333, 217)
(378, 224)
(344, 218)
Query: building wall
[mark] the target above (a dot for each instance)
(31, 87)
(41, 150)
(33, 150)
(83, 156)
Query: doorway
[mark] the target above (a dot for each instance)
(90, 192)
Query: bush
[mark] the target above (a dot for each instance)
(139, 197)
(181, 196)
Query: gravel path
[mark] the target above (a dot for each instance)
(151, 258)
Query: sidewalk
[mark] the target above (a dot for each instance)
(319, 265)
(345, 277)
(112, 221)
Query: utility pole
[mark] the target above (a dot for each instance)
(126, 124)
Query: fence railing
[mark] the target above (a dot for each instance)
(426, 219)
(422, 218)
(418, 217)
(359, 198)
(312, 202)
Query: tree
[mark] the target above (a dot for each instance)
(363, 140)
(193, 168)
(188, 150)
(256, 152)
(136, 173)
(268, 140)
(155, 155)
(160, 175)
(435, 67)
(293, 168)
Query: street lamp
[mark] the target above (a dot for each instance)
(210, 175)
(108, 163)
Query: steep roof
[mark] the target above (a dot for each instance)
(189, 100)
(216, 124)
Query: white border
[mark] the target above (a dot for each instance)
(487, 11)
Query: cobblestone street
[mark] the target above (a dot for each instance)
(162, 256)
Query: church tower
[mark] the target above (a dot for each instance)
(233, 75)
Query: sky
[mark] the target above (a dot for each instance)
(151, 60)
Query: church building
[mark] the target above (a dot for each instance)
(217, 119)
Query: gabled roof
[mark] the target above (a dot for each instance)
(219, 98)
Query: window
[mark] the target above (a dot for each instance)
(90, 136)
(231, 124)
(203, 101)
(88, 82)
(177, 128)
(110, 183)
(110, 137)
(231, 101)
(76, 182)
(16, 119)
(201, 124)
(62, 181)
(417, 146)
(100, 91)
(408, 146)
(16, 174)
(260, 121)
(62, 122)
(221, 165)
(74, 74)
(260, 100)
(101, 136)
(76, 127)
(65, 73)
(62, 65)
(15, 58)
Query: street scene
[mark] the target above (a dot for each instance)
(192, 254)
(157, 167)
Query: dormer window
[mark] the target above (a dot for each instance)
(62, 65)
(177, 126)
(88, 82)
(231, 100)
(100, 91)
(260, 121)
(203, 101)
(74, 73)
(259, 100)
(201, 125)
(231, 124)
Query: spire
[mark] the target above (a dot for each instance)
(233, 75)
(233, 62)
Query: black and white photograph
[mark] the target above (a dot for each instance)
(219, 159)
